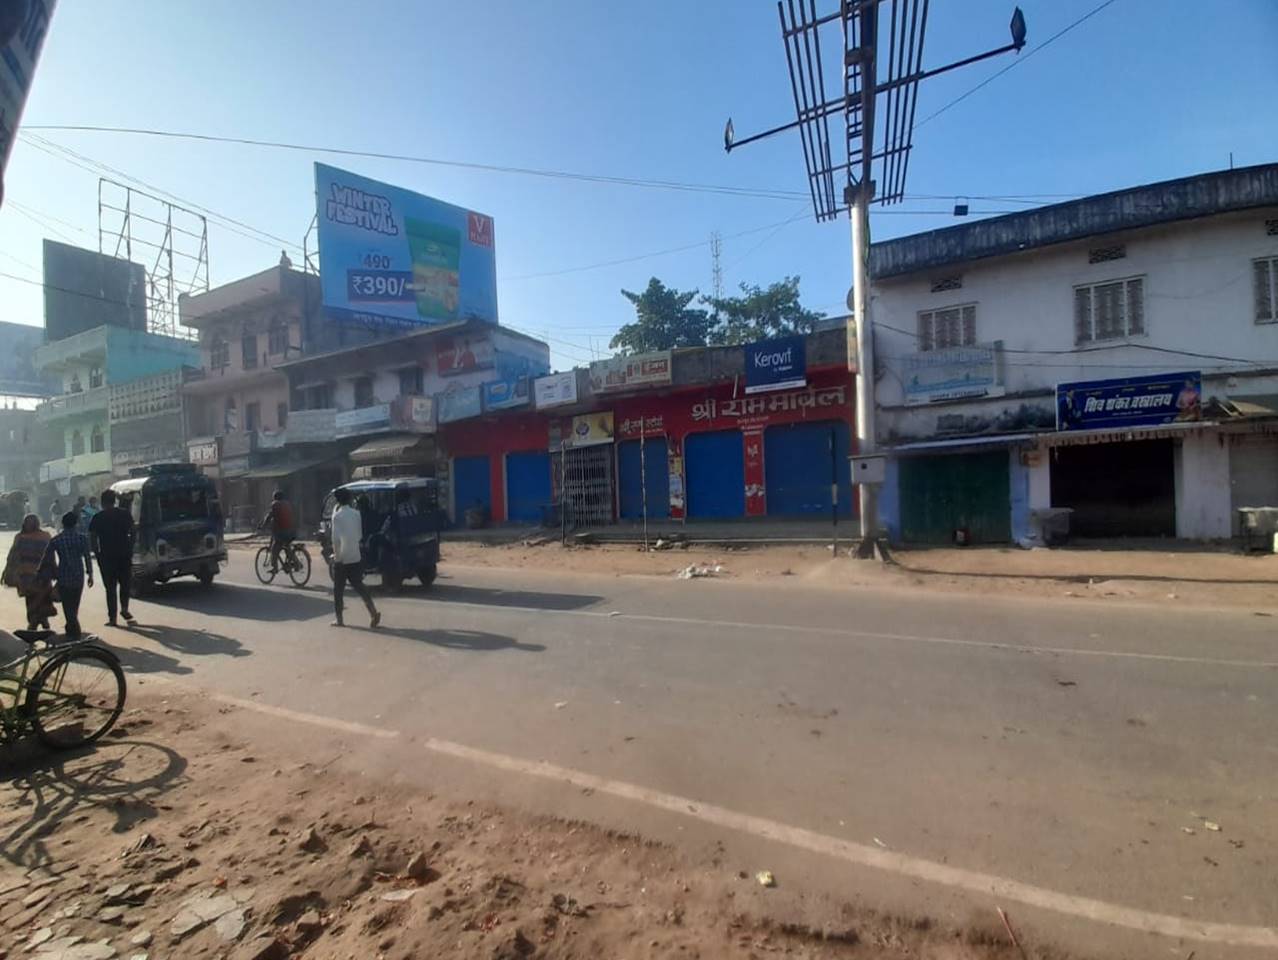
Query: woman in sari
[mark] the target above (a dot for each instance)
(21, 570)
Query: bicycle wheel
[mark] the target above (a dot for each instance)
(262, 565)
(299, 571)
(75, 697)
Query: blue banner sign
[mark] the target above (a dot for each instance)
(775, 365)
(393, 257)
(459, 404)
(1130, 401)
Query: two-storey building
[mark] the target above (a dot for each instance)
(1115, 356)
(87, 364)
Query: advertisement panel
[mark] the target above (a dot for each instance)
(589, 429)
(1130, 401)
(84, 289)
(505, 394)
(463, 354)
(350, 423)
(626, 373)
(22, 30)
(459, 404)
(18, 374)
(389, 256)
(556, 390)
(779, 364)
(958, 373)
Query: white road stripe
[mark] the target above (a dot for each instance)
(899, 863)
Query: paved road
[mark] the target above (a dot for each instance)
(913, 751)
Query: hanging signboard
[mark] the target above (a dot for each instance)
(459, 404)
(626, 373)
(351, 423)
(391, 256)
(778, 364)
(506, 394)
(957, 373)
(591, 428)
(1130, 401)
(556, 390)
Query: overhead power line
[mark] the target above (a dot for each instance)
(1015, 63)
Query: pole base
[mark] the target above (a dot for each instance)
(871, 548)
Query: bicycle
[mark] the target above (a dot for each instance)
(68, 694)
(294, 560)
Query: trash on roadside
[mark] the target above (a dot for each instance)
(1067, 683)
(614, 613)
(1189, 830)
(1212, 826)
(694, 570)
(561, 704)
(879, 842)
(765, 878)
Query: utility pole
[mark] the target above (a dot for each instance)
(716, 268)
(866, 87)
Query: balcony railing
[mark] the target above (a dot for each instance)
(74, 404)
(81, 465)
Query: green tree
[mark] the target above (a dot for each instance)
(760, 313)
(663, 320)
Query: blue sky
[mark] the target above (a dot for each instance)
(1144, 90)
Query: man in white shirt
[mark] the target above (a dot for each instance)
(347, 530)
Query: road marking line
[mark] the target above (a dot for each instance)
(860, 854)
(975, 882)
(345, 726)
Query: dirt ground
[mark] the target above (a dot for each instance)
(176, 838)
(1190, 577)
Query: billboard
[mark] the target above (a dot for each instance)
(463, 353)
(23, 25)
(956, 373)
(459, 404)
(18, 374)
(1130, 401)
(556, 389)
(779, 364)
(626, 373)
(84, 289)
(391, 257)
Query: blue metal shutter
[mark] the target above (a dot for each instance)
(630, 479)
(715, 466)
(796, 462)
(470, 485)
(527, 485)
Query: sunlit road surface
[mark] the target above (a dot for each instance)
(909, 751)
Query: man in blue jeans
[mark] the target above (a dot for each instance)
(66, 560)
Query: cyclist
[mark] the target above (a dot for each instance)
(283, 527)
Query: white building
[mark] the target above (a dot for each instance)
(977, 325)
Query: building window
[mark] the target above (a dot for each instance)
(951, 327)
(231, 416)
(219, 354)
(1265, 273)
(318, 397)
(74, 385)
(1109, 311)
(1117, 251)
(364, 392)
(277, 340)
(95, 377)
(281, 415)
(252, 416)
(248, 351)
(97, 439)
(953, 282)
(1271, 228)
(410, 382)
(77, 443)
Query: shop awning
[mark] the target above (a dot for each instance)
(396, 448)
(275, 471)
(962, 443)
(1074, 438)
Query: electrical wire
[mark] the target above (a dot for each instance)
(1015, 63)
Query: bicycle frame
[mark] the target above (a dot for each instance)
(15, 681)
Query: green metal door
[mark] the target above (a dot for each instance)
(941, 494)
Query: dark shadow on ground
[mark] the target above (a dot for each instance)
(473, 640)
(493, 597)
(124, 776)
(237, 600)
(1095, 579)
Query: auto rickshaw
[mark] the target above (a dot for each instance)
(177, 523)
(401, 521)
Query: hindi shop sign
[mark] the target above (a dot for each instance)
(775, 365)
(351, 423)
(1130, 401)
(959, 373)
(391, 257)
(626, 373)
(556, 389)
(753, 411)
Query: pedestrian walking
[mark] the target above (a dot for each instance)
(111, 537)
(22, 571)
(55, 514)
(66, 560)
(81, 523)
(348, 566)
(90, 511)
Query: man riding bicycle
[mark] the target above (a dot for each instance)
(283, 527)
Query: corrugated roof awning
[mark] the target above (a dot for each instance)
(1073, 438)
(414, 447)
(959, 443)
(275, 471)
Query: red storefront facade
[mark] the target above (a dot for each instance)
(732, 434)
